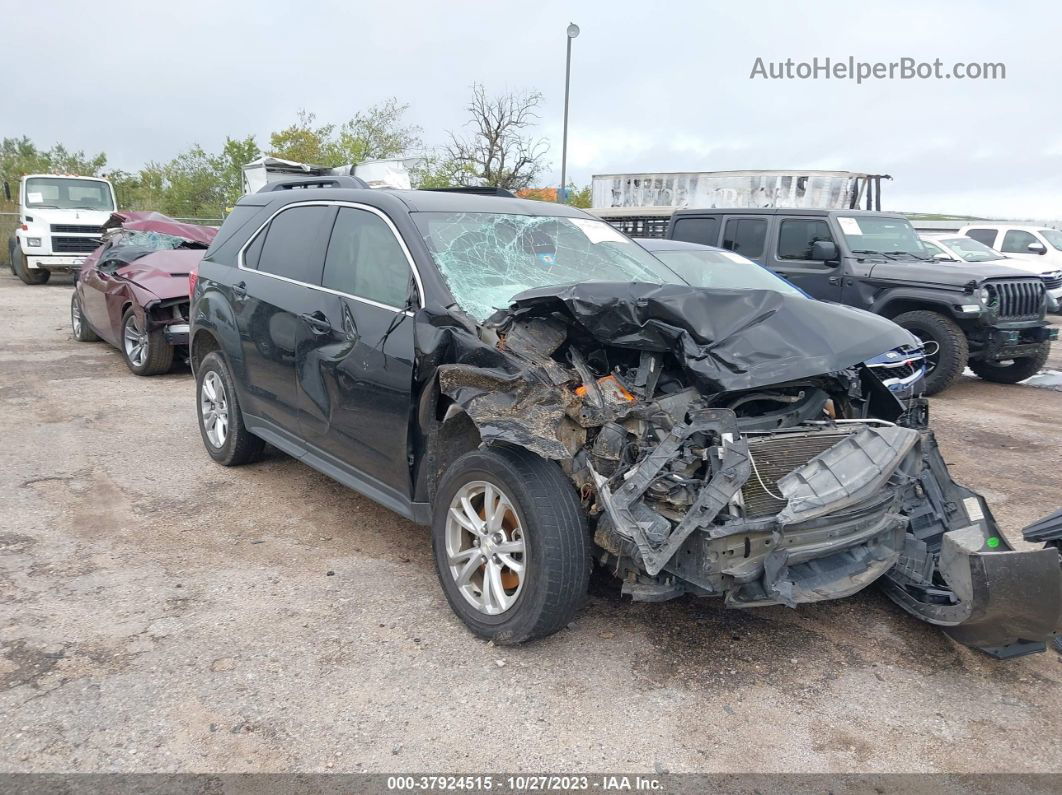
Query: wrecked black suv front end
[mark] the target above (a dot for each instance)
(721, 442)
(732, 444)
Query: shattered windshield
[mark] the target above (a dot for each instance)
(723, 270)
(487, 258)
(881, 235)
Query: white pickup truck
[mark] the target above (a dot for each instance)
(60, 220)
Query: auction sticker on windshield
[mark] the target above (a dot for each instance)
(598, 231)
(850, 226)
(35, 198)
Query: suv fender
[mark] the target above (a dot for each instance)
(214, 318)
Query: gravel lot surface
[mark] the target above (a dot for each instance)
(161, 613)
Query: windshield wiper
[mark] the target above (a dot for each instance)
(867, 251)
(895, 254)
(42, 206)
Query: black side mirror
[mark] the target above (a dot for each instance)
(824, 251)
(7, 190)
(1037, 248)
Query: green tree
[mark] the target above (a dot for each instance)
(579, 197)
(375, 133)
(20, 156)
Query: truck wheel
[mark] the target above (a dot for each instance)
(12, 252)
(952, 350)
(225, 437)
(1014, 371)
(511, 546)
(78, 324)
(27, 274)
(146, 352)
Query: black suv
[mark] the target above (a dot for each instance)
(984, 315)
(545, 393)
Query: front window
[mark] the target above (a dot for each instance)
(1052, 236)
(972, 251)
(878, 235)
(723, 270)
(487, 258)
(64, 193)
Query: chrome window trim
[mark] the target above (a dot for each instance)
(337, 203)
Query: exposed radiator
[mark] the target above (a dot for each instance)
(777, 456)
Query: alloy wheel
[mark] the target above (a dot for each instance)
(75, 317)
(214, 409)
(136, 342)
(485, 547)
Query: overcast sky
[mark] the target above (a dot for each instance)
(655, 86)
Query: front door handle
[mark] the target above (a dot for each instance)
(317, 322)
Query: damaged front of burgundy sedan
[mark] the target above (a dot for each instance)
(132, 291)
(544, 393)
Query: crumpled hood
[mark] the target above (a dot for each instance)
(163, 273)
(726, 340)
(149, 221)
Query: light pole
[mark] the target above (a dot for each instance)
(573, 31)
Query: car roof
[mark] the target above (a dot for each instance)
(419, 201)
(661, 244)
(815, 212)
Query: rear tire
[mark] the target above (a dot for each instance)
(542, 533)
(1017, 370)
(231, 444)
(78, 324)
(952, 349)
(20, 264)
(151, 354)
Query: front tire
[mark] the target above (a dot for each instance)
(145, 352)
(78, 324)
(1017, 370)
(511, 546)
(947, 364)
(225, 437)
(20, 265)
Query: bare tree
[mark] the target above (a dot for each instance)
(499, 152)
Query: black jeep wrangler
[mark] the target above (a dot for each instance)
(986, 316)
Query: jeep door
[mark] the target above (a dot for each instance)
(356, 375)
(274, 288)
(790, 256)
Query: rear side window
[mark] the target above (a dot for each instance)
(697, 230)
(1017, 241)
(292, 246)
(364, 259)
(746, 236)
(986, 236)
(797, 235)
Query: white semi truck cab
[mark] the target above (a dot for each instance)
(60, 222)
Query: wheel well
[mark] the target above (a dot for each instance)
(901, 305)
(203, 343)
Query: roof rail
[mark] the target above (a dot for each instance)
(314, 182)
(478, 191)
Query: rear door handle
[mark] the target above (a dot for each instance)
(317, 322)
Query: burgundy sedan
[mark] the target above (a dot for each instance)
(132, 291)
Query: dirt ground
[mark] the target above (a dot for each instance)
(161, 613)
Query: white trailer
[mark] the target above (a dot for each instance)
(707, 189)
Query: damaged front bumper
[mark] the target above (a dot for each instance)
(877, 504)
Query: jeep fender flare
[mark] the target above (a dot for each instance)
(893, 302)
